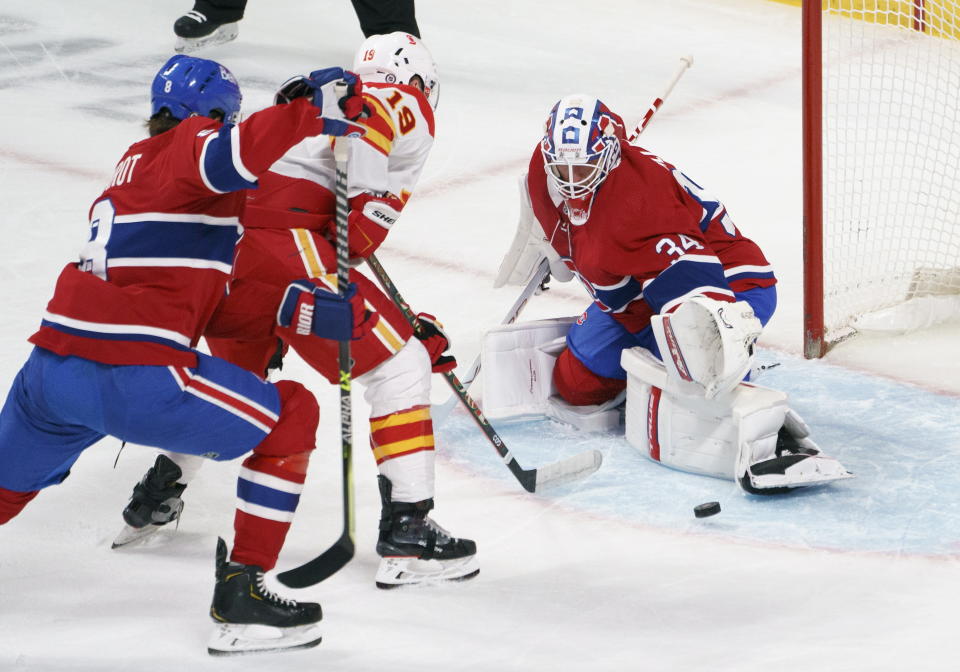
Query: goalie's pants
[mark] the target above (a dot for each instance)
(588, 370)
(59, 406)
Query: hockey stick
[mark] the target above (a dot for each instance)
(563, 471)
(540, 276)
(685, 62)
(337, 556)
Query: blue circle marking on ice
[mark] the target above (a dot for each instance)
(901, 442)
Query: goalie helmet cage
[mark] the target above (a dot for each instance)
(881, 138)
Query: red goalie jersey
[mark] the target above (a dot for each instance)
(653, 239)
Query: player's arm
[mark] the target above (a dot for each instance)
(385, 166)
(234, 156)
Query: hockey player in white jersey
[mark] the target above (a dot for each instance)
(288, 228)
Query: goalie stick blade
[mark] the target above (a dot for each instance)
(568, 470)
(321, 567)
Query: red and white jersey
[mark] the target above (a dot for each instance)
(383, 168)
(653, 239)
(162, 239)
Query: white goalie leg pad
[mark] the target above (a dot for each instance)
(731, 436)
(398, 384)
(517, 361)
(529, 246)
(707, 343)
(230, 639)
(605, 417)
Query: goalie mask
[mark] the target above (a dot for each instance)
(580, 146)
(189, 86)
(396, 58)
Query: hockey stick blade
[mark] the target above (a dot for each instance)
(321, 567)
(568, 470)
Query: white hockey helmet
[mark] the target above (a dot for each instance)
(396, 58)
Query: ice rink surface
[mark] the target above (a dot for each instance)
(613, 573)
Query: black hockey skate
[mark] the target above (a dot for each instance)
(194, 30)
(253, 619)
(154, 503)
(414, 549)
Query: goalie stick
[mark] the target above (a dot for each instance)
(540, 277)
(555, 473)
(337, 556)
(685, 63)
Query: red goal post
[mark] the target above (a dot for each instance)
(881, 138)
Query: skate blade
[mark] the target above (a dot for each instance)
(133, 535)
(395, 572)
(230, 639)
(223, 34)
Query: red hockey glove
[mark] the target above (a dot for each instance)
(435, 340)
(308, 309)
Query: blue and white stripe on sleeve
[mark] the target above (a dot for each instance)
(690, 275)
(221, 167)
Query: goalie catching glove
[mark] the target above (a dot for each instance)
(335, 91)
(707, 345)
(309, 309)
(435, 340)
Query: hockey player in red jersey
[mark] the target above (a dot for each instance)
(671, 279)
(288, 229)
(115, 350)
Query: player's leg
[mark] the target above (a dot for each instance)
(210, 22)
(240, 332)
(378, 17)
(157, 498)
(413, 547)
(222, 412)
(588, 371)
(41, 430)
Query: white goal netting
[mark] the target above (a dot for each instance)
(891, 161)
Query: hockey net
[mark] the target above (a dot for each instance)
(882, 196)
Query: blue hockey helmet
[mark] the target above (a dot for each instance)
(581, 145)
(189, 86)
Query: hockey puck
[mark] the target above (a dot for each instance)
(706, 509)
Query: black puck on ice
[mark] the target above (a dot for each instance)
(706, 509)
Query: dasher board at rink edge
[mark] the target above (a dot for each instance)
(900, 442)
